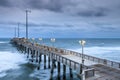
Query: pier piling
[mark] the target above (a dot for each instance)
(64, 72)
(49, 61)
(28, 52)
(58, 70)
(52, 69)
(39, 61)
(32, 55)
(44, 61)
(37, 56)
(71, 73)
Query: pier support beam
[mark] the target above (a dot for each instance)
(58, 70)
(28, 51)
(52, 69)
(55, 65)
(32, 54)
(49, 62)
(40, 54)
(81, 70)
(25, 50)
(39, 61)
(44, 61)
(64, 72)
(21, 48)
(71, 74)
(37, 56)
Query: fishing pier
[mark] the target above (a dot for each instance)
(92, 69)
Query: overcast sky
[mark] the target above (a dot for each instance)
(61, 18)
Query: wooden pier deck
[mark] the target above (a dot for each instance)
(94, 68)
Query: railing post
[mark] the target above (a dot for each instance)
(66, 60)
(93, 58)
(111, 63)
(98, 60)
(59, 58)
(62, 59)
(70, 63)
(74, 65)
(88, 57)
(105, 61)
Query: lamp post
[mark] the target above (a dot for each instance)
(18, 30)
(52, 40)
(15, 32)
(53, 60)
(82, 43)
(27, 11)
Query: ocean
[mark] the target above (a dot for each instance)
(15, 65)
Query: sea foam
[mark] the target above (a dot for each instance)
(111, 53)
(3, 42)
(10, 60)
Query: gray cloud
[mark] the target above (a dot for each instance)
(65, 16)
(53, 5)
(5, 3)
(42, 25)
(95, 13)
(83, 8)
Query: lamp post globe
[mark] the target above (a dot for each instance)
(40, 39)
(82, 42)
(52, 40)
(33, 40)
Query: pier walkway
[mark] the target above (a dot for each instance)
(93, 68)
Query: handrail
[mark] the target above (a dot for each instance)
(68, 52)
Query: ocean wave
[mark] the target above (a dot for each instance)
(2, 74)
(9, 60)
(88, 50)
(42, 74)
(111, 53)
(1, 42)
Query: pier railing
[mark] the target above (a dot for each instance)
(88, 57)
(56, 53)
(68, 52)
(95, 59)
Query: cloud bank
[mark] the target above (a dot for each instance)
(93, 18)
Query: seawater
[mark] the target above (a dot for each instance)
(102, 48)
(15, 66)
